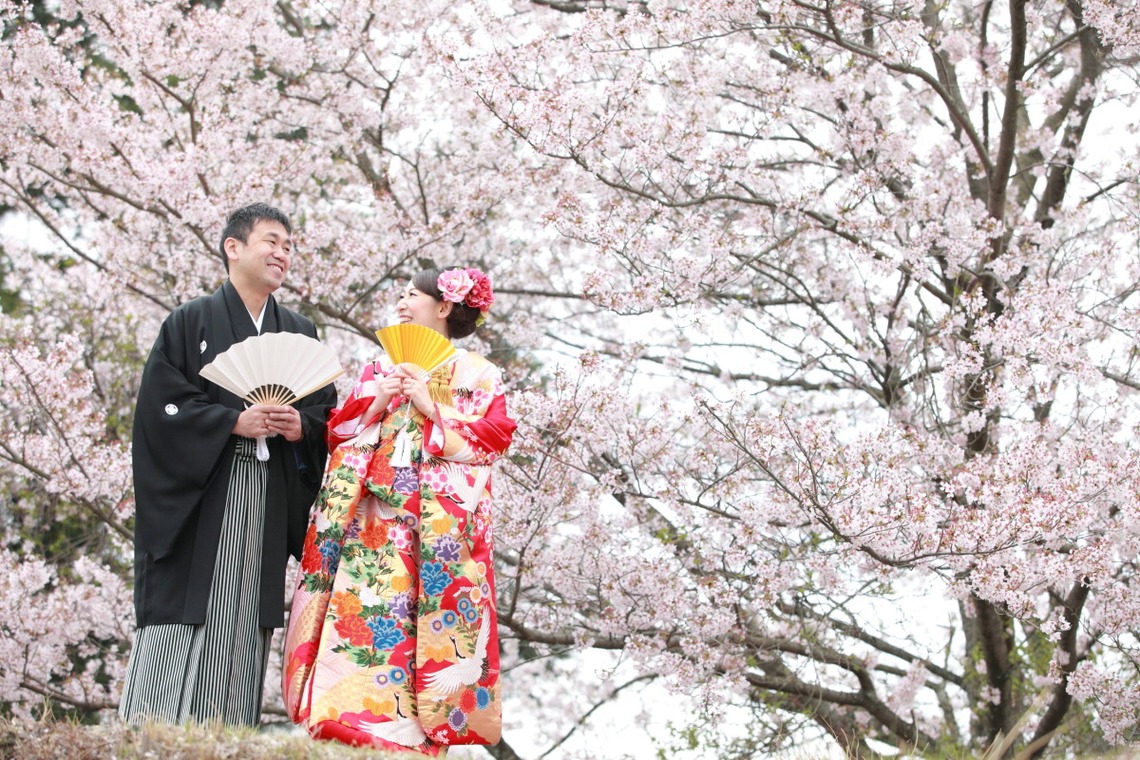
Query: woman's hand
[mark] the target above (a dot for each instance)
(415, 389)
(386, 388)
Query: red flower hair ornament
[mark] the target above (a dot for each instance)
(467, 286)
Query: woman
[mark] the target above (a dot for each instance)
(392, 639)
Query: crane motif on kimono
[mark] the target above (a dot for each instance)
(404, 731)
(468, 670)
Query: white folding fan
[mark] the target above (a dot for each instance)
(274, 368)
(408, 343)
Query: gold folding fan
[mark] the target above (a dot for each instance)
(408, 343)
(274, 368)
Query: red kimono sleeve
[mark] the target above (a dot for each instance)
(348, 421)
(472, 439)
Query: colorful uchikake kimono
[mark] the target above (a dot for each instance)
(392, 639)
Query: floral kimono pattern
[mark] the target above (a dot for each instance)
(392, 639)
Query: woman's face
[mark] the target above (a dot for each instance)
(419, 308)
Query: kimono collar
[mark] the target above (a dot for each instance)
(241, 323)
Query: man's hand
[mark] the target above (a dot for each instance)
(264, 420)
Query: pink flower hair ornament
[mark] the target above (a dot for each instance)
(466, 286)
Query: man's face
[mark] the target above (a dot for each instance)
(263, 260)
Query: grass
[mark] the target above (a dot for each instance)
(51, 740)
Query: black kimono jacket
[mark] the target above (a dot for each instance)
(182, 453)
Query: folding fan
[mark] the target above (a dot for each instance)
(274, 368)
(408, 343)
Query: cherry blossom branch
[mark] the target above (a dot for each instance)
(105, 516)
(36, 686)
(613, 694)
(1059, 698)
(49, 415)
(703, 368)
(780, 679)
(957, 115)
(1077, 97)
(878, 643)
(34, 208)
(1007, 140)
(535, 636)
(995, 637)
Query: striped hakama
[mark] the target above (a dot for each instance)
(214, 671)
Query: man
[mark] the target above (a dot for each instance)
(213, 524)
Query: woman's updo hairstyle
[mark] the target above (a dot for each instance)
(463, 319)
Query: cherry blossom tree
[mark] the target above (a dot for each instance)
(819, 319)
(879, 242)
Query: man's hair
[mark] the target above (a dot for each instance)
(241, 222)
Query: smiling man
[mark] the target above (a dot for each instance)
(213, 524)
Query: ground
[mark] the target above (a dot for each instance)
(50, 740)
